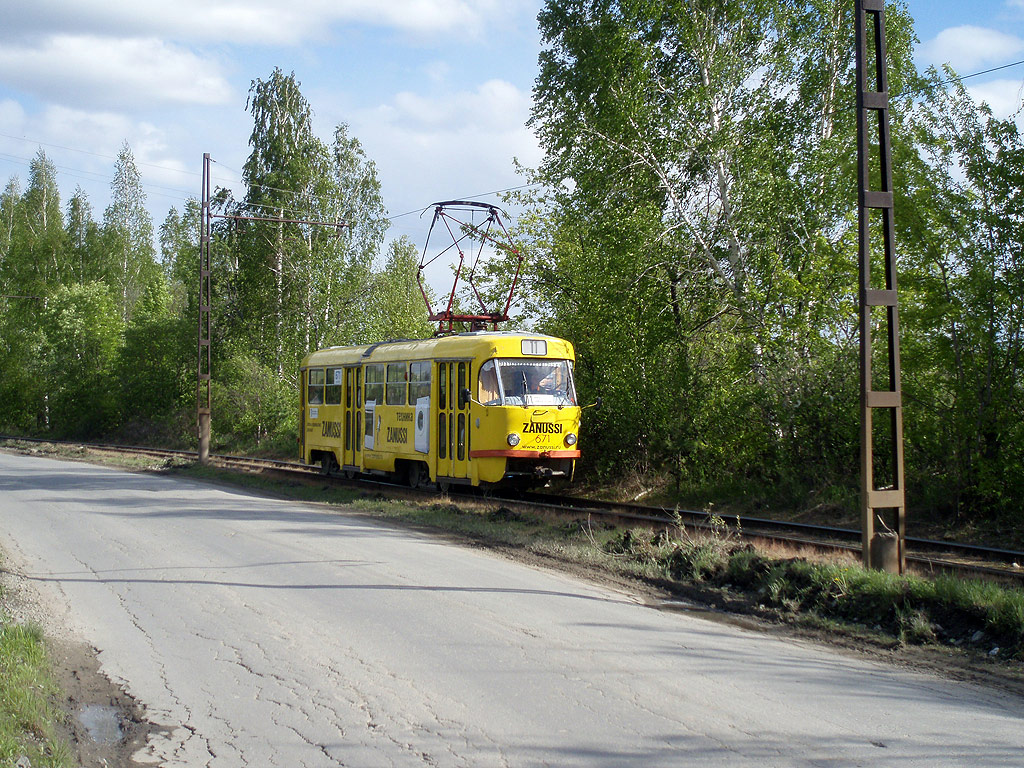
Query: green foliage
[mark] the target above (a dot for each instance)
(82, 331)
(256, 409)
(128, 257)
(965, 315)
(98, 339)
(695, 238)
(298, 287)
(28, 721)
(155, 370)
(64, 300)
(397, 310)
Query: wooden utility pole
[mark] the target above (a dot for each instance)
(883, 499)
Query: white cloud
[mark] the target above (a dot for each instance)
(1002, 96)
(12, 115)
(968, 47)
(494, 105)
(430, 148)
(438, 71)
(83, 145)
(106, 72)
(244, 21)
(105, 132)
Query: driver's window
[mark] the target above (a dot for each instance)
(487, 388)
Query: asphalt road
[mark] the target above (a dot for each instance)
(270, 633)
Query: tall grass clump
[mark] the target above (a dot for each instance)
(912, 609)
(28, 717)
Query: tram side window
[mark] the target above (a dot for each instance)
(487, 391)
(398, 375)
(463, 376)
(315, 395)
(332, 395)
(419, 381)
(359, 404)
(375, 383)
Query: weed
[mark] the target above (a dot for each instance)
(914, 626)
(27, 716)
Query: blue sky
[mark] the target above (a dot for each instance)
(437, 91)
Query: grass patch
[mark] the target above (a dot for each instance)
(958, 612)
(28, 716)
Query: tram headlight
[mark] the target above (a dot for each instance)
(570, 439)
(513, 439)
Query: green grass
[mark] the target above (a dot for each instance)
(915, 610)
(28, 717)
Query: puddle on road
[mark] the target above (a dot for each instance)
(102, 723)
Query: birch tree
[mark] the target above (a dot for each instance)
(697, 160)
(129, 253)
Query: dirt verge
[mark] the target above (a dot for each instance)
(103, 725)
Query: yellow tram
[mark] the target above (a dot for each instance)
(479, 408)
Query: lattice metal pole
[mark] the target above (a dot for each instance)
(883, 500)
(203, 357)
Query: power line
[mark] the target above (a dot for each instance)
(94, 154)
(983, 72)
(468, 197)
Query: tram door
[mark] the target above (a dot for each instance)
(452, 432)
(352, 421)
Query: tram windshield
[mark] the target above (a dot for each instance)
(526, 382)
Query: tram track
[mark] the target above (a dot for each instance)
(927, 554)
(923, 555)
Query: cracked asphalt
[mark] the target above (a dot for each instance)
(260, 632)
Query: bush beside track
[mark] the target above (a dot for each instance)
(913, 610)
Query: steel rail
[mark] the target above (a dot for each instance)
(665, 514)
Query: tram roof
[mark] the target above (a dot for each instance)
(475, 344)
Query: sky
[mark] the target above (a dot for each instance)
(437, 91)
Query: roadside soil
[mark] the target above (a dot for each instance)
(118, 729)
(103, 725)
